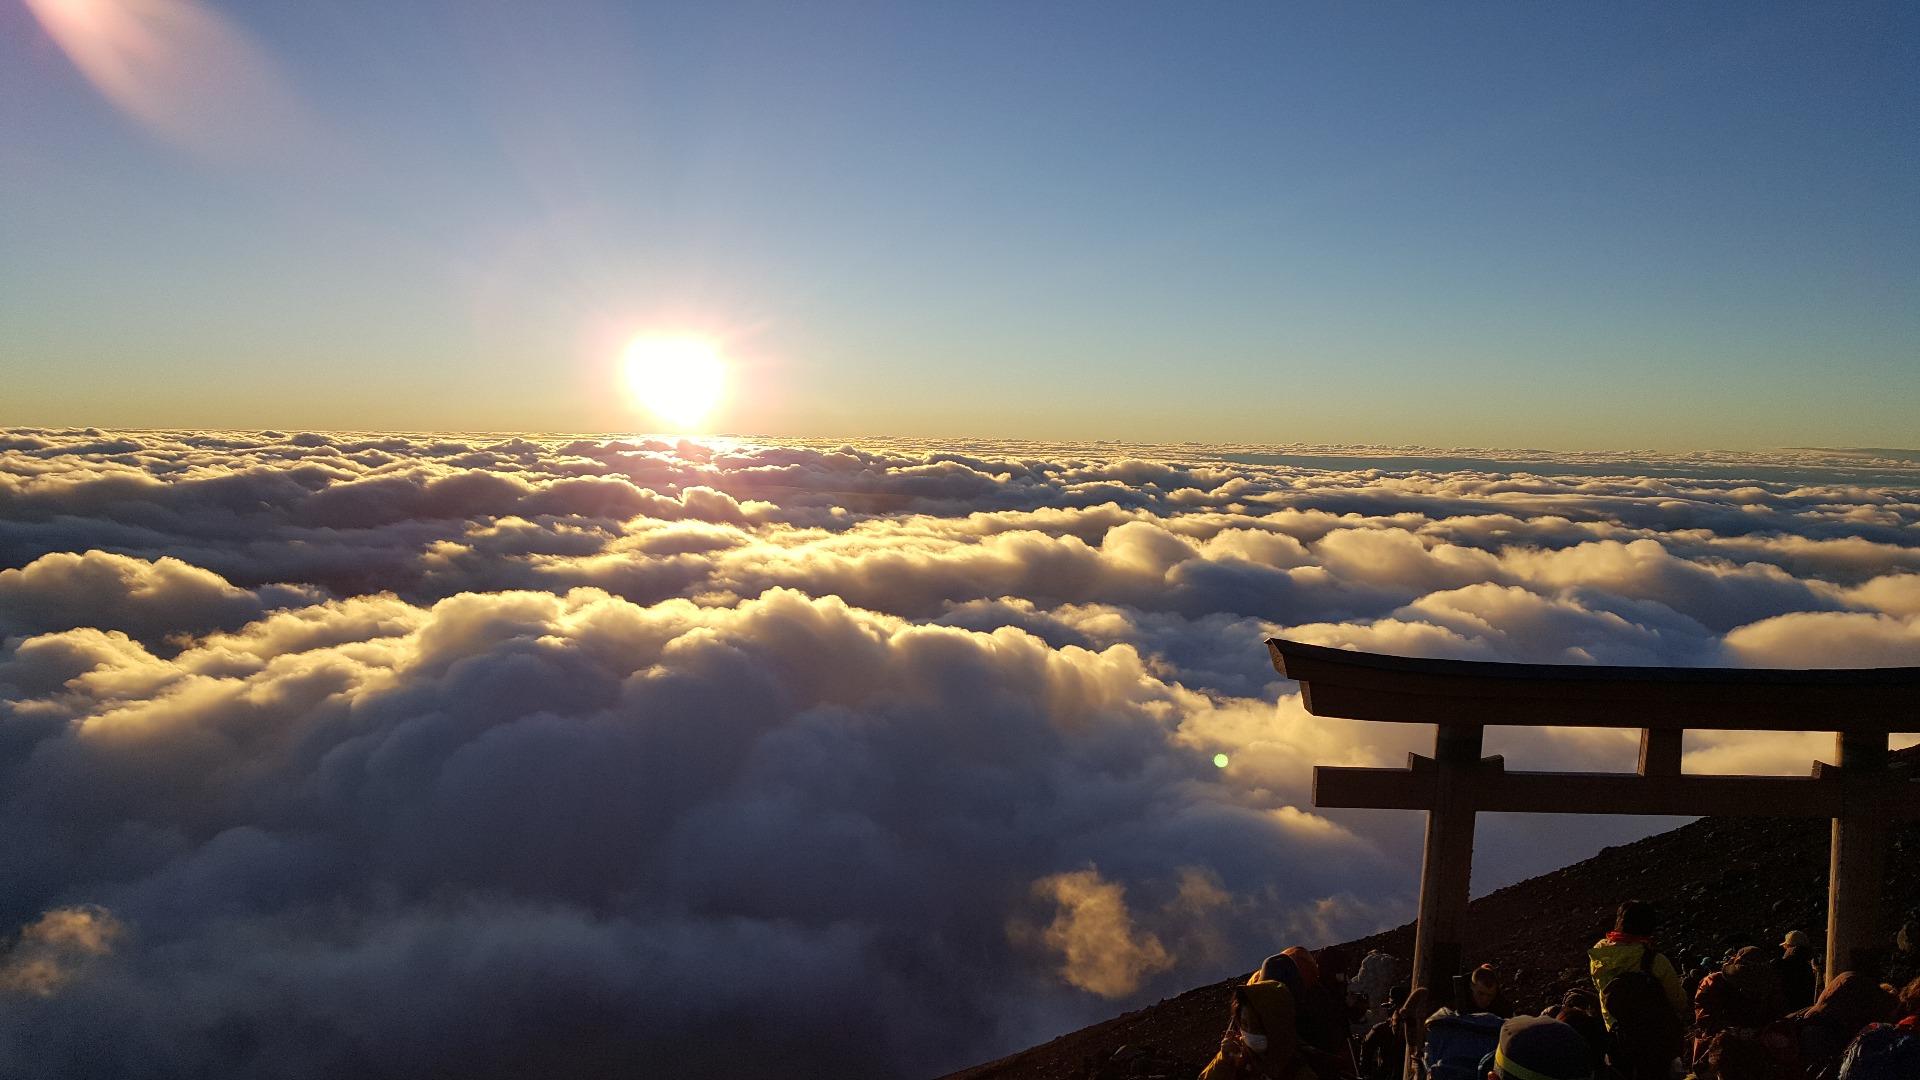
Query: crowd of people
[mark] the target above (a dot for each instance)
(1761, 1014)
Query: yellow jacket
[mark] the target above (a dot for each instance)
(1611, 956)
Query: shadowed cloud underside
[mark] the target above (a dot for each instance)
(382, 754)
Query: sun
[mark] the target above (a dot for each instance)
(677, 379)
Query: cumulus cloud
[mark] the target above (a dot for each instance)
(1100, 948)
(393, 755)
(53, 949)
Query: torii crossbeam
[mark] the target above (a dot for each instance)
(1860, 791)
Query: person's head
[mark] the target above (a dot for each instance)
(1796, 940)
(1333, 962)
(1540, 1048)
(1304, 962)
(1486, 986)
(1583, 999)
(1264, 1014)
(1745, 960)
(1413, 1007)
(1637, 918)
(1278, 968)
(1910, 999)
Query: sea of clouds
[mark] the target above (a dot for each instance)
(381, 755)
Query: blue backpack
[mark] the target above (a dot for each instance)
(1456, 1042)
(1882, 1052)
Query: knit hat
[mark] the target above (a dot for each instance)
(1797, 939)
(1308, 966)
(1278, 968)
(1540, 1048)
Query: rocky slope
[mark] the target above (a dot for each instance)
(1721, 883)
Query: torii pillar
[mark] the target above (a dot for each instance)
(1446, 863)
(1857, 859)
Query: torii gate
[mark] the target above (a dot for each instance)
(1861, 793)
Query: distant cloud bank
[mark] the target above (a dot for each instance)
(383, 755)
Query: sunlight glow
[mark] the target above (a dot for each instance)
(678, 380)
(180, 69)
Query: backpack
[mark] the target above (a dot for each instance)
(1882, 1052)
(1457, 1041)
(1644, 1023)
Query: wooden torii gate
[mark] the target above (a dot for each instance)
(1860, 791)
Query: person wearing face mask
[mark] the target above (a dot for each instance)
(1261, 1042)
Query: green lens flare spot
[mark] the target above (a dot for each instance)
(1219, 761)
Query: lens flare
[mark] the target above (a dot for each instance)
(678, 381)
(182, 70)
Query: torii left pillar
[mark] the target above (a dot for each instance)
(1446, 866)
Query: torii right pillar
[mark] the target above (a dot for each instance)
(1858, 860)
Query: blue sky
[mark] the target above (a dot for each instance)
(1505, 225)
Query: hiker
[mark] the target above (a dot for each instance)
(1744, 996)
(1377, 975)
(1820, 1033)
(1640, 996)
(1736, 1055)
(1487, 995)
(1410, 1021)
(1383, 1049)
(1888, 1051)
(1882, 1052)
(1797, 971)
(1320, 1010)
(1457, 1039)
(1329, 1020)
(1539, 1048)
(1580, 1010)
(1260, 1042)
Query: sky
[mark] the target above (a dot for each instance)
(1497, 225)
(389, 756)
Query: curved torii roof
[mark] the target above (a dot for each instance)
(1402, 689)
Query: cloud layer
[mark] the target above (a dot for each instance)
(392, 755)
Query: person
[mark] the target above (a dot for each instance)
(1457, 1042)
(1736, 1055)
(1321, 1006)
(1640, 995)
(1539, 1048)
(1820, 1033)
(1378, 972)
(1744, 996)
(1797, 971)
(1410, 1022)
(1580, 1010)
(1882, 1052)
(1888, 1051)
(1488, 997)
(1278, 968)
(1383, 1049)
(1260, 1042)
